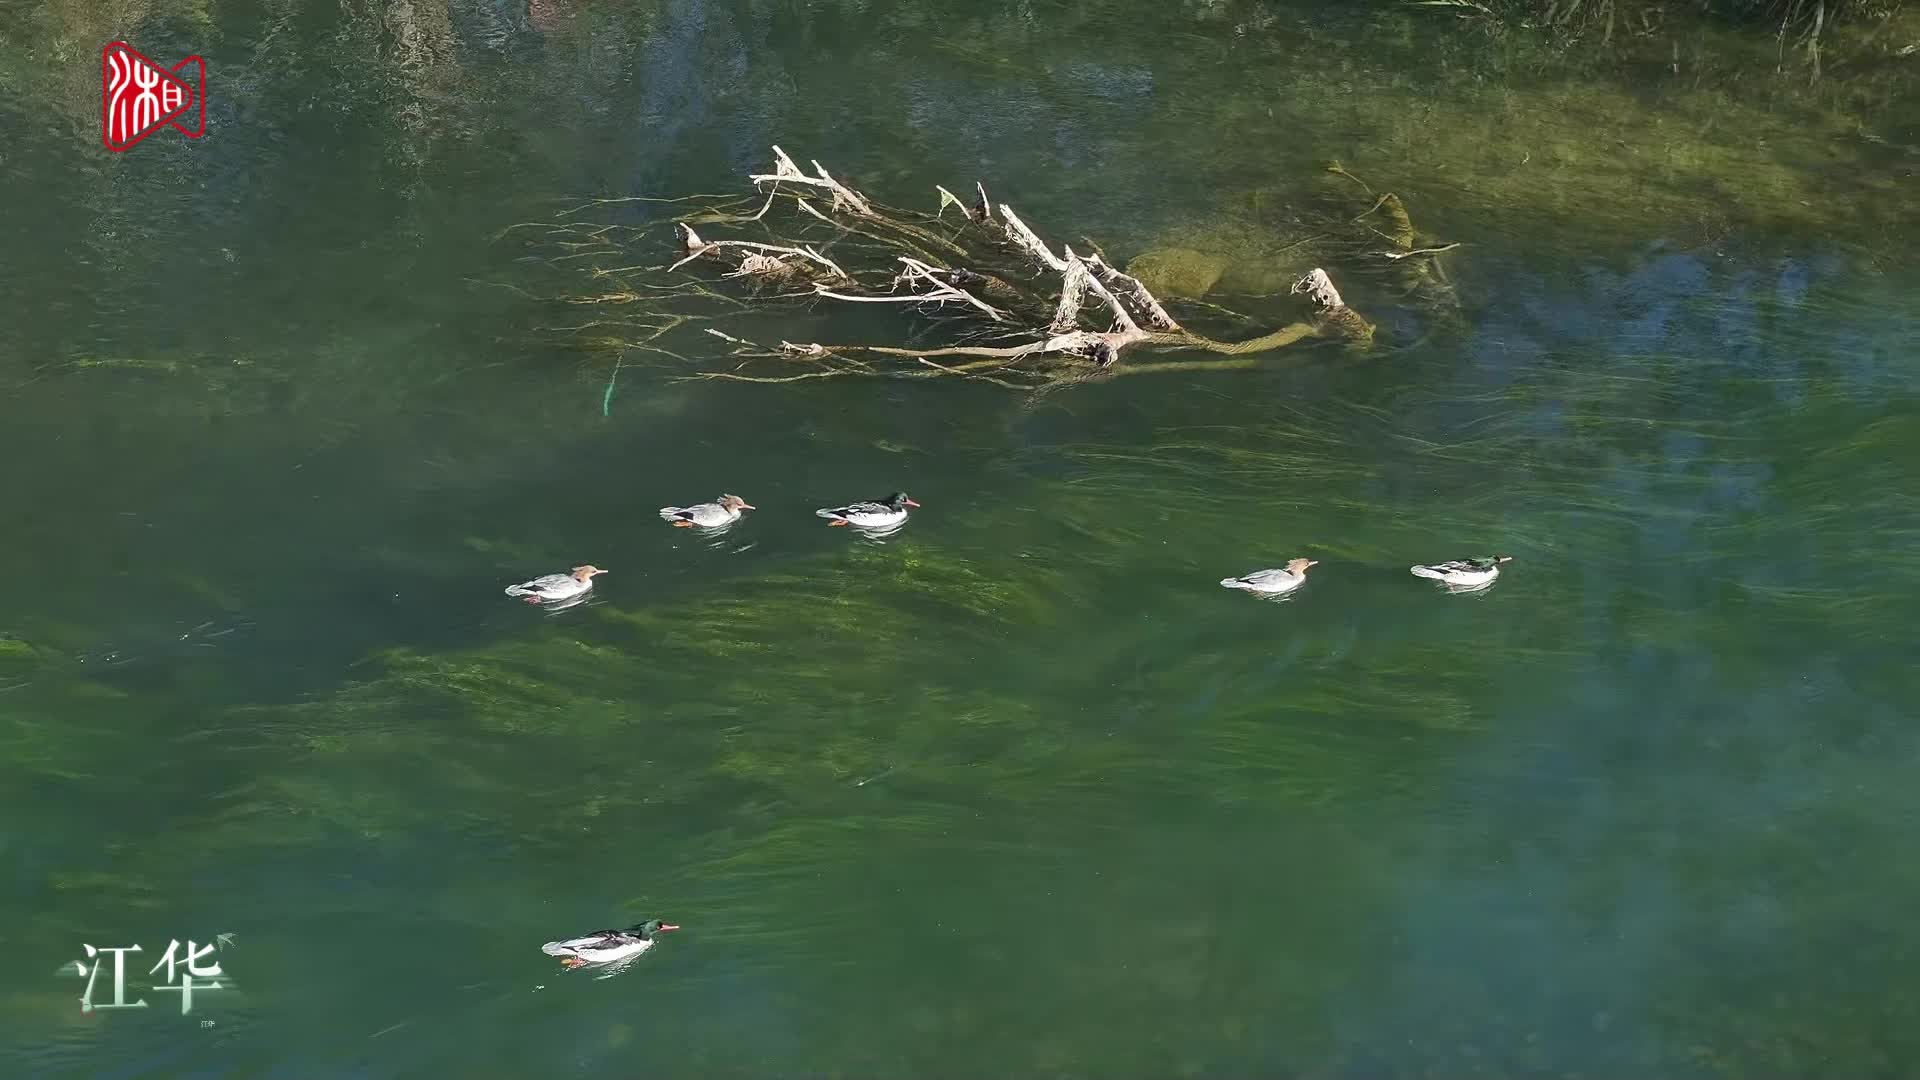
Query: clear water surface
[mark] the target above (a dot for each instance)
(1021, 791)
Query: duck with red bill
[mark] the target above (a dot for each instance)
(886, 513)
(607, 946)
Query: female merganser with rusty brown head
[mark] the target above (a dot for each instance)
(553, 588)
(1273, 582)
(713, 515)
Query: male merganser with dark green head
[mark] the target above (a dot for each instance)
(881, 514)
(1464, 573)
(607, 946)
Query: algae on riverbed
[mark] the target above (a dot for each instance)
(1020, 790)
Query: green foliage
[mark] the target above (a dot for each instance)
(1786, 14)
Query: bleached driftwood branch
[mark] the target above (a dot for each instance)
(1073, 292)
(1024, 237)
(1131, 287)
(917, 271)
(1441, 250)
(785, 171)
(1079, 340)
(695, 247)
(1318, 287)
(1122, 318)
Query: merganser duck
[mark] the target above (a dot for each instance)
(553, 588)
(883, 514)
(1273, 582)
(713, 515)
(607, 946)
(1464, 573)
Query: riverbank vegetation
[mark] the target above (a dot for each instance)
(1863, 31)
(1787, 15)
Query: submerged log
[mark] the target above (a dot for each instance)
(1020, 313)
(1330, 307)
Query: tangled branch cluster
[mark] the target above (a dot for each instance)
(1014, 311)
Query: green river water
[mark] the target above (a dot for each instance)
(1021, 791)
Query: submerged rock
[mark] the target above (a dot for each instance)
(1178, 272)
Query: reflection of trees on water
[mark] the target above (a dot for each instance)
(672, 87)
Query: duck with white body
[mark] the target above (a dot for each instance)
(1275, 582)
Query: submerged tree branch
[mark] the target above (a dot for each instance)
(1016, 312)
(1157, 316)
(785, 171)
(696, 247)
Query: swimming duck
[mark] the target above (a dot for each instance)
(883, 514)
(1464, 573)
(1273, 582)
(607, 946)
(552, 588)
(723, 511)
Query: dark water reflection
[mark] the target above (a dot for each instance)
(1019, 790)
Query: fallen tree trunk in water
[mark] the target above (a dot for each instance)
(1021, 314)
